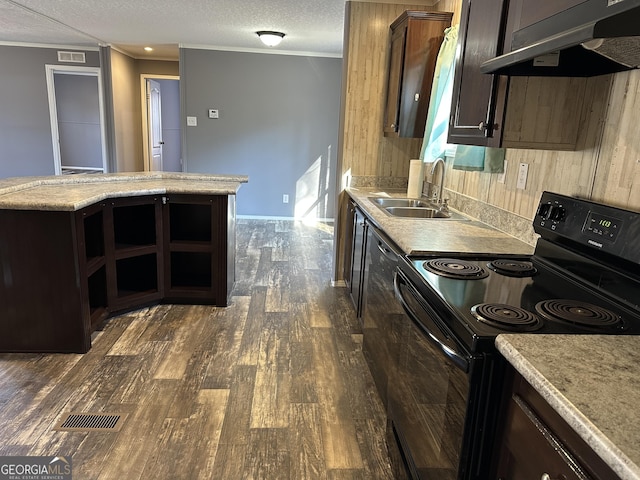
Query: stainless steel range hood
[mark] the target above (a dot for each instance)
(592, 38)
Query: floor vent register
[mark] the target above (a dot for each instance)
(83, 422)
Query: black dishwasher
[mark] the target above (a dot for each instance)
(383, 315)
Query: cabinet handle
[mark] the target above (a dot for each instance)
(485, 126)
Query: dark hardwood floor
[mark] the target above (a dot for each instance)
(274, 386)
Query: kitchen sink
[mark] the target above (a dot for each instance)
(414, 208)
(417, 212)
(400, 202)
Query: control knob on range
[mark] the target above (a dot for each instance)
(557, 213)
(551, 212)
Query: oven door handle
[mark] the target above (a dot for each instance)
(460, 361)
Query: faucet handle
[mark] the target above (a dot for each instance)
(445, 205)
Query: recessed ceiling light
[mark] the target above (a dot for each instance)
(148, 49)
(270, 39)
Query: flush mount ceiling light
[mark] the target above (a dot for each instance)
(148, 49)
(270, 39)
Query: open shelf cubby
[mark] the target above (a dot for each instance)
(191, 269)
(134, 225)
(98, 302)
(94, 235)
(190, 222)
(135, 275)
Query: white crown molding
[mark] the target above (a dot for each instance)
(268, 51)
(49, 45)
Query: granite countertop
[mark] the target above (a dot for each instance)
(593, 382)
(73, 192)
(437, 236)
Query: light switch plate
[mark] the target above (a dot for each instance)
(192, 121)
(213, 113)
(522, 176)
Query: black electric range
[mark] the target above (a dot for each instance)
(583, 278)
(446, 376)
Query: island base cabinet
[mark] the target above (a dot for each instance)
(44, 302)
(62, 273)
(200, 248)
(134, 251)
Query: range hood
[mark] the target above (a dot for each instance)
(595, 37)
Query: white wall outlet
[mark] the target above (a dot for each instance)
(213, 113)
(522, 176)
(285, 198)
(192, 121)
(501, 176)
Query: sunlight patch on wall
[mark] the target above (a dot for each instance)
(312, 190)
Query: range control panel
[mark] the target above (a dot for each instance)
(602, 227)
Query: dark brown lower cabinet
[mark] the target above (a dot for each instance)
(134, 252)
(44, 298)
(535, 442)
(63, 273)
(200, 248)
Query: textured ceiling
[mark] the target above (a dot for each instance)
(311, 26)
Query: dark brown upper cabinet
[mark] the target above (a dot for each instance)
(477, 112)
(546, 113)
(416, 37)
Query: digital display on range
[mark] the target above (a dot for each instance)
(603, 226)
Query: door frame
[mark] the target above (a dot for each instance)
(50, 71)
(145, 113)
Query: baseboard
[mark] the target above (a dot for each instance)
(269, 217)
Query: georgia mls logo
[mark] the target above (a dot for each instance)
(35, 468)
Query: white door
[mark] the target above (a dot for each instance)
(154, 96)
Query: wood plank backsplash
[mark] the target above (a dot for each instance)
(617, 177)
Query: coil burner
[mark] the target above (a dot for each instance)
(512, 268)
(455, 268)
(579, 313)
(506, 317)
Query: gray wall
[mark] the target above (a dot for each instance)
(25, 129)
(278, 124)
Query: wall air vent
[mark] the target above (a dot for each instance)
(71, 57)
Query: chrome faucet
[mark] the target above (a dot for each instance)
(438, 161)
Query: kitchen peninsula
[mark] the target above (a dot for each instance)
(75, 250)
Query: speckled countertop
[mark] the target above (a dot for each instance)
(593, 382)
(439, 236)
(73, 192)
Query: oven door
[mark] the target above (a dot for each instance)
(431, 399)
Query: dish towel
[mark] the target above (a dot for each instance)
(483, 159)
(434, 143)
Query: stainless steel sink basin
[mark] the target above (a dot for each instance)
(414, 208)
(400, 202)
(417, 212)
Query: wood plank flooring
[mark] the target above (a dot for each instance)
(274, 386)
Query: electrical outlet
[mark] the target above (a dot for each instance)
(522, 176)
(192, 121)
(285, 198)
